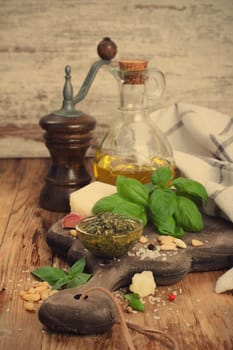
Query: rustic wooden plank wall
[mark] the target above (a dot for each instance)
(191, 41)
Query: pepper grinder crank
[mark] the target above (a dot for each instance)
(68, 134)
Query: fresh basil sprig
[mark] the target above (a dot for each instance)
(134, 301)
(170, 204)
(59, 279)
(174, 214)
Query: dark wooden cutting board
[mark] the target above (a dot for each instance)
(168, 267)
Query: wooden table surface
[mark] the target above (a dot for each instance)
(197, 319)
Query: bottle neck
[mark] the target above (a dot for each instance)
(133, 97)
(135, 116)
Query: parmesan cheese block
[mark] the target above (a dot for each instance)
(143, 283)
(83, 200)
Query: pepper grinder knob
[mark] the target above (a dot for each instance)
(68, 88)
(107, 49)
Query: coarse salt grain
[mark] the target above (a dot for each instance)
(157, 299)
(131, 254)
(156, 317)
(151, 299)
(144, 253)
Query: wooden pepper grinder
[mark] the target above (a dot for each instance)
(68, 134)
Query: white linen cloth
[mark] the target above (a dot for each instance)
(225, 282)
(202, 142)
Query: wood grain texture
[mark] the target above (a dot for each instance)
(190, 41)
(198, 319)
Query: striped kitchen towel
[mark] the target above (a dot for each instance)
(202, 142)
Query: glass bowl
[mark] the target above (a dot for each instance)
(109, 235)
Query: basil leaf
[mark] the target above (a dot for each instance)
(81, 278)
(134, 301)
(107, 203)
(179, 232)
(162, 204)
(132, 210)
(150, 187)
(167, 226)
(161, 176)
(49, 274)
(187, 215)
(61, 283)
(190, 187)
(132, 190)
(77, 267)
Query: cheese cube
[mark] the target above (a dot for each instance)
(83, 200)
(143, 283)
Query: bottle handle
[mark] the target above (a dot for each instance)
(158, 78)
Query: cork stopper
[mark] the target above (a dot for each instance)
(133, 65)
(133, 71)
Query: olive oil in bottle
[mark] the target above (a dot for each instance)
(134, 146)
(107, 168)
